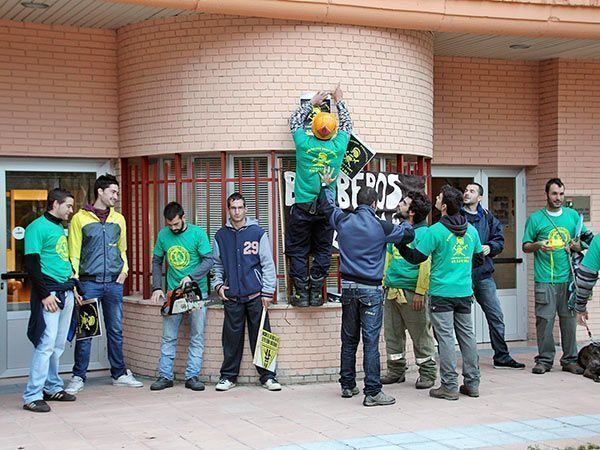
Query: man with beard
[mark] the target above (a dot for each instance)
(455, 248)
(189, 258)
(492, 240)
(404, 308)
(549, 234)
(97, 247)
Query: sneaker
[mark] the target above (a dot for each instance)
(272, 385)
(391, 379)
(127, 380)
(381, 399)
(573, 368)
(424, 383)
(161, 383)
(38, 406)
(224, 385)
(444, 393)
(194, 384)
(540, 369)
(512, 364)
(61, 396)
(469, 391)
(75, 385)
(349, 393)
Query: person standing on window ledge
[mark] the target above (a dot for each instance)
(97, 247)
(52, 301)
(308, 231)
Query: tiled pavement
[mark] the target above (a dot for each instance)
(516, 409)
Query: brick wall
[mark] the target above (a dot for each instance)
(569, 147)
(309, 347)
(579, 145)
(485, 112)
(58, 91)
(202, 83)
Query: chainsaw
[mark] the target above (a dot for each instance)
(183, 299)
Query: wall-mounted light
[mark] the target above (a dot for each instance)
(35, 5)
(520, 46)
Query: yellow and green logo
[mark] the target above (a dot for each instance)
(558, 238)
(178, 257)
(62, 248)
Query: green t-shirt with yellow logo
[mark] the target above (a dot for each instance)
(592, 257)
(553, 266)
(451, 260)
(400, 273)
(48, 239)
(312, 156)
(183, 253)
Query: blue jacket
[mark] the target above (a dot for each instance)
(362, 239)
(491, 233)
(243, 261)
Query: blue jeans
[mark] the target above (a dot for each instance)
(485, 294)
(168, 344)
(362, 311)
(43, 373)
(110, 297)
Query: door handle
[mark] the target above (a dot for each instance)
(13, 275)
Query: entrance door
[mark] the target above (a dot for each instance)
(504, 196)
(26, 183)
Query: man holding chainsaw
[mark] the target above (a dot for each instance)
(189, 259)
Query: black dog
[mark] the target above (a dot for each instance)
(589, 359)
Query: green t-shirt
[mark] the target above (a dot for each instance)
(591, 259)
(48, 239)
(183, 253)
(312, 155)
(400, 273)
(451, 260)
(553, 266)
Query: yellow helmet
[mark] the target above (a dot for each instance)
(324, 125)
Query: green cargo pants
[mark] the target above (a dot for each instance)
(398, 318)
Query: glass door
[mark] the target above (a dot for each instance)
(26, 183)
(504, 196)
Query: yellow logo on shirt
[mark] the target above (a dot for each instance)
(178, 257)
(62, 248)
(558, 238)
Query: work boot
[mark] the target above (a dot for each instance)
(573, 368)
(540, 369)
(381, 399)
(444, 393)
(470, 391)
(316, 291)
(424, 383)
(392, 378)
(301, 293)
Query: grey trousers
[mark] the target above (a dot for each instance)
(401, 318)
(450, 315)
(549, 300)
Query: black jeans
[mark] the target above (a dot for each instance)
(308, 233)
(237, 313)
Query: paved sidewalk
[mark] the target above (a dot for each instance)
(516, 409)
